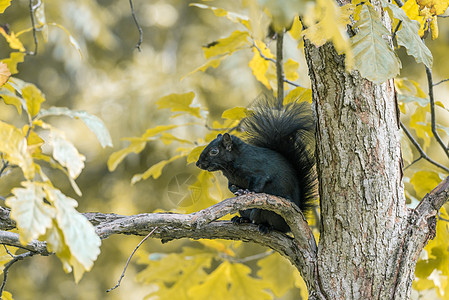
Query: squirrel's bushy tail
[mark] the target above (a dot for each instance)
(289, 131)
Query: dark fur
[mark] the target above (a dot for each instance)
(273, 160)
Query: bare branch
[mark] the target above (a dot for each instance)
(440, 82)
(137, 25)
(301, 250)
(432, 112)
(12, 239)
(420, 150)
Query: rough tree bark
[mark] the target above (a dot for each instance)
(369, 241)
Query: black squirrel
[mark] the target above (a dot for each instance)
(273, 160)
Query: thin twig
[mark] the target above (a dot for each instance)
(432, 112)
(138, 26)
(439, 82)
(413, 162)
(129, 259)
(262, 55)
(7, 251)
(396, 29)
(279, 67)
(441, 218)
(291, 82)
(256, 256)
(9, 264)
(399, 3)
(420, 150)
(33, 24)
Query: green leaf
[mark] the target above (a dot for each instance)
(155, 170)
(79, 233)
(374, 57)
(33, 97)
(66, 154)
(28, 209)
(95, 124)
(408, 36)
(179, 102)
(236, 41)
(14, 145)
(408, 99)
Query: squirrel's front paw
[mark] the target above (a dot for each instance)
(239, 220)
(241, 192)
(264, 229)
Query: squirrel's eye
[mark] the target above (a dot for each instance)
(213, 152)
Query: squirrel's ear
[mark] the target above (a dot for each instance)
(227, 141)
(219, 135)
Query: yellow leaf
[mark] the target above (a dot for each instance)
(220, 12)
(28, 209)
(298, 94)
(14, 146)
(296, 29)
(243, 286)
(411, 8)
(235, 113)
(216, 285)
(200, 194)
(236, 41)
(422, 128)
(155, 170)
(7, 92)
(195, 154)
(179, 102)
(118, 156)
(168, 138)
(260, 65)
(214, 63)
(6, 296)
(182, 271)
(434, 27)
(290, 69)
(13, 41)
(4, 4)
(33, 97)
(327, 21)
(270, 268)
(13, 60)
(218, 245)
(424, 182)
(4, 73)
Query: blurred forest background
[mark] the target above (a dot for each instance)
(114, 81)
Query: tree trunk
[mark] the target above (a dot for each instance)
(369, 242)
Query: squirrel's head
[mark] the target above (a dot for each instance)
(218, 154)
